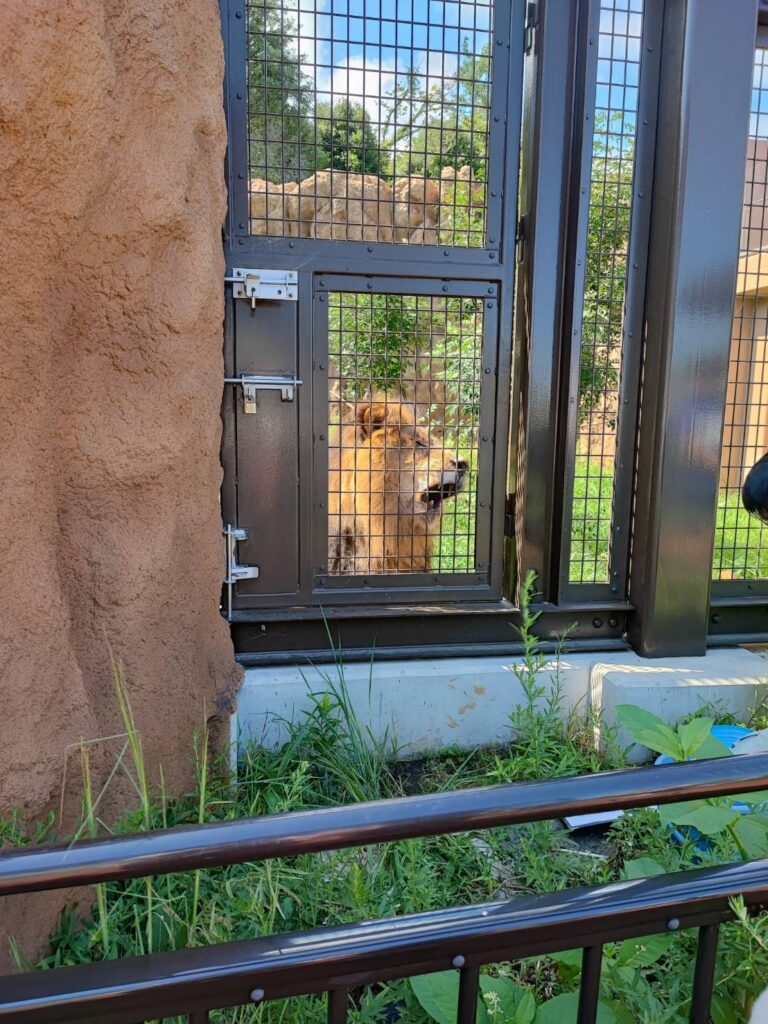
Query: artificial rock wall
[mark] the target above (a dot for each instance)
(112, 140)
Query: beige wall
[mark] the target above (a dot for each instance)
(112, 140)
(745, 437)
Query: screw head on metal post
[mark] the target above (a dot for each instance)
(673, 924)
(256, 995)
(458, 961)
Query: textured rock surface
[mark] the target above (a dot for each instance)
(112, 140)
(365, 208)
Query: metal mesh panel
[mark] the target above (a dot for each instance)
(404, 411)
(741, 542)
(368, 120)
(610, 204)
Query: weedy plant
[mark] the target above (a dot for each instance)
(725, 822)
(329, 757)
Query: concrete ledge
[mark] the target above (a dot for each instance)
(727, 679)
(463, 703)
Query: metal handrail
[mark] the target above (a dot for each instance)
(334, 828)
(328, 959)
(335, 960)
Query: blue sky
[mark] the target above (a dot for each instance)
(758, 122)
(359, 48)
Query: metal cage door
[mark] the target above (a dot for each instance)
(370, 247)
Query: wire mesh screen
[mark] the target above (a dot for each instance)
(601, 328)
(368, 120)
(741, 542)
(404, 412)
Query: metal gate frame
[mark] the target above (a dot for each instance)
(692, 131)
(739, 608)
(691, 140)
(276, 633)
(482, 583)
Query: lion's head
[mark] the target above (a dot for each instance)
(388, 479)
(418, 470)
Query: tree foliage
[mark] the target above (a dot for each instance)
(280, 97)
(428, 124)
(346, 139)
(606, 261)
(435, 124)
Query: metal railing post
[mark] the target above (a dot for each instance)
(706, 78)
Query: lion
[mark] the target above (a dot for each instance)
(388, 479)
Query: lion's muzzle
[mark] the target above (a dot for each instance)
(446, 486)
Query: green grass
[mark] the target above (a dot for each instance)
(455, 547)
(740, 543)
(330, 758)
(591, 522)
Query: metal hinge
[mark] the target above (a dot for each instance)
(263, 285)
(234, 571)
(520, 241)
(509, 516)
(251, 384)
(531, 21)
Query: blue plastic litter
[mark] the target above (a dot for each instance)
(728, 735)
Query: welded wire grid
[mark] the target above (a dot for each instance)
(403, 445)
(610, 203)
(741, 542)
(368, 120)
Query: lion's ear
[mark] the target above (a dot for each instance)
(373, 416)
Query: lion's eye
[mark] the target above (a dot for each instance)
(421, 444)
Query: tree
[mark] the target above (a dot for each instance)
(346, 139)
(445, 124)
(280, 97)
(606, 261)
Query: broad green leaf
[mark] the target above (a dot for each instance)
(709, 819)
(559, 1009)
(568, 964)
(673, 812)
(504, 994)
(649, 730)
(752, 830)
(712, 748)
(438, 995)
(632, 717)
(526, 1009)
(643, 952)
(641, 867)
(630, 976)
(723, 1011)
(565, 1007)
(569, 957)
(621, 1012)
(694, 733)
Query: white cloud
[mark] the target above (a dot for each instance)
(363, 81)
(360, 76)
(313, 52)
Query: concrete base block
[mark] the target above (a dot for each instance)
(463, 703)
(425, 706)
(727, 679)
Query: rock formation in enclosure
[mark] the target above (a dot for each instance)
(112, 141)
(365, 208)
